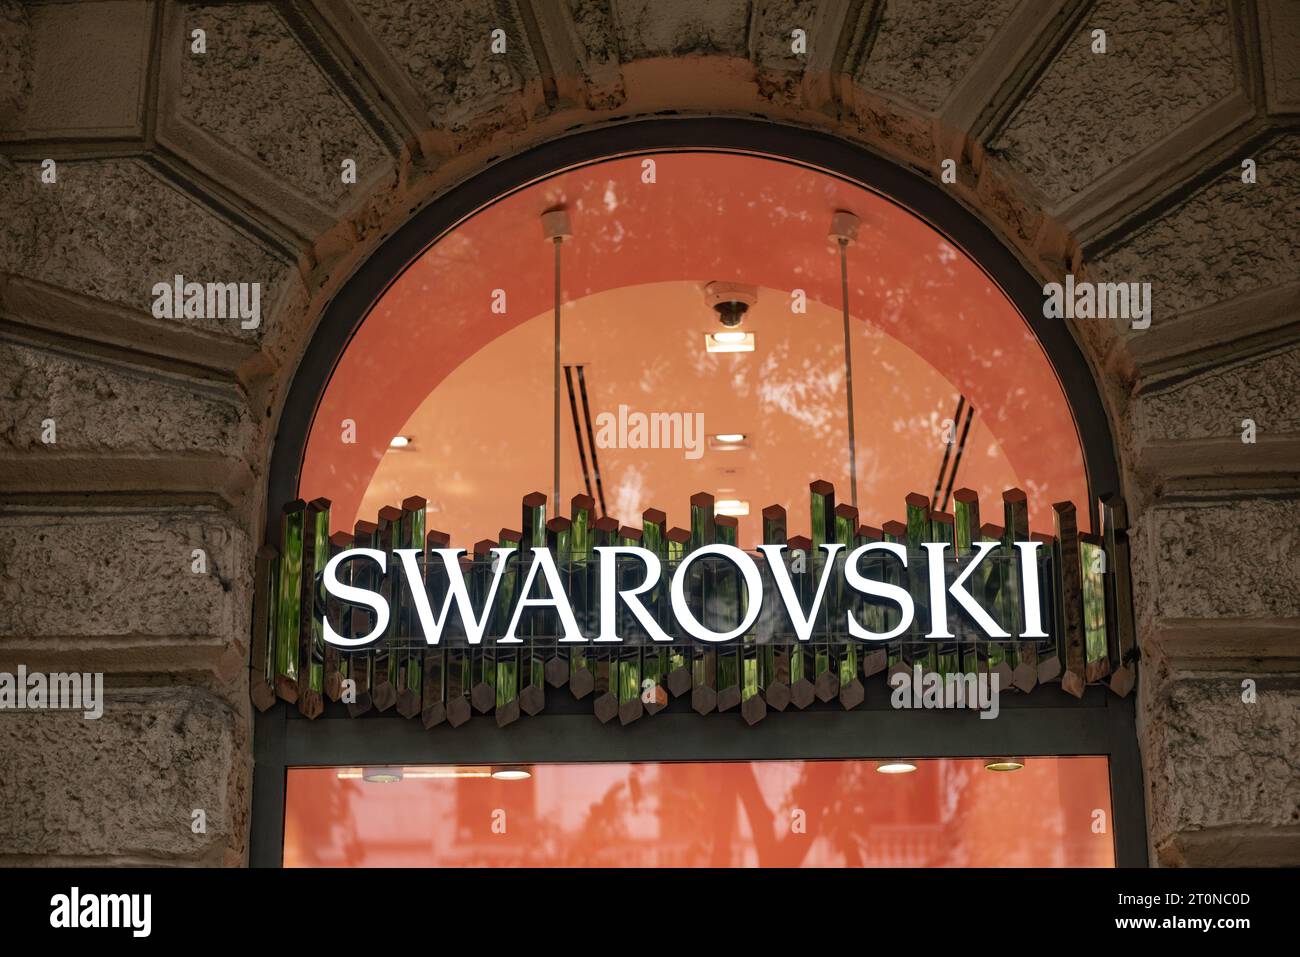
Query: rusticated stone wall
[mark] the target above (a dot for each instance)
(1125, 165)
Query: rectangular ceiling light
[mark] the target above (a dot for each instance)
(731, 506)
(728, 442)
(345, 774)
(729, 340)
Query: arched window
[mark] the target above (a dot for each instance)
(743, 312)
(449, 378)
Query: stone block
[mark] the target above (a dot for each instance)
(1217, 559)
(1164, 63)
(102, 408)
(1222, 775)
(1227, 239)
(15, 60)
(922, 50)
(445, 50)
(779, 68)
(1279, 30)
(1214, 403)
(662, 28)
(111, 229)
(123, 788)
(257, 91)
(123, 574)
(89, 69)
(592, 31)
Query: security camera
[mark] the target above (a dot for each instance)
(730, 300)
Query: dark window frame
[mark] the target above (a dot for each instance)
(1048, 722)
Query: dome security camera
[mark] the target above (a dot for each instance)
(730, 300)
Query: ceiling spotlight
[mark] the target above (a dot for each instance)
(399, 441)
(895, 767)
(1004, 764)
(730, 300)
(381, 775)
(730, 437)
(729, 341)
(511, 774)
(731, 506)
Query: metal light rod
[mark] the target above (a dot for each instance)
(844, 230)
(556, 228)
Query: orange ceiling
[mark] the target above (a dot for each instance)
(642, 347)
(474, 388)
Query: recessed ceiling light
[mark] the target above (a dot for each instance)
(895, 767)
(381, 775)
(731, 506)
(729, 341)
(399, 441)
(512, 774)
(1005, 764)
(728, 441)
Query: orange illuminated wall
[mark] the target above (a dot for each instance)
(1054, 812)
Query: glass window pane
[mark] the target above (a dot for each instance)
(1052, 812)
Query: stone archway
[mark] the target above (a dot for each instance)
(225, 165)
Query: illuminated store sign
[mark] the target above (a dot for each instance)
(545, 588)
(392, 615)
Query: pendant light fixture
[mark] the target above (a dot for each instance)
(844, 230)
(556, 229)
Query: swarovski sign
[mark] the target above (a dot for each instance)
(624, 574)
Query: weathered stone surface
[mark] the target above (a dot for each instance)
(1007, 205)
(1216, 762)
(124, 573)
(99, 407)
(1227, 239)
(123, 788)
(922, 49)
(112, 229)
(1217, 560)
(257, 91)
(87, 66)
(445, 49)
(894, 129)
(593, 26)
(15, 59)
(1214, 404)
(774, 22)
(1279, 28)
(649, 28)
(1163, 64)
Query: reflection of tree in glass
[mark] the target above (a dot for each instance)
(828, 795)
(988, 811)
(317, 823)
(604, 833)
